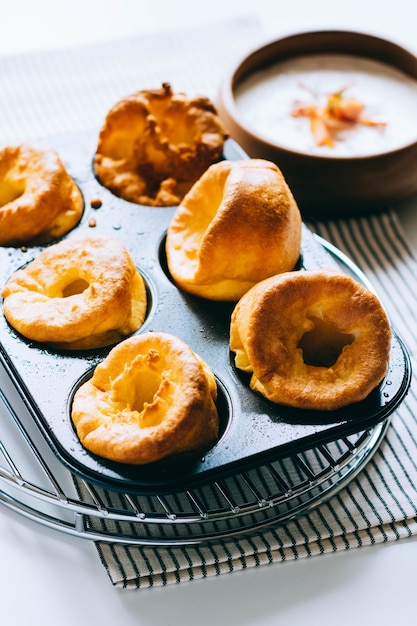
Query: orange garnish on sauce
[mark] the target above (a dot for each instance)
(338, 114)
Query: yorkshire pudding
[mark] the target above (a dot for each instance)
(77, 294)
(313, 339)
(151, 398)
(39, 201)
(155, 144)
(237, 225)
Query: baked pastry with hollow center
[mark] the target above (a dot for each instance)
(151, 398)
(154, 144)
(39, 201)
(77, 294)
(313, 339)
(237, 225)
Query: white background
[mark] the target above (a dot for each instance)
(48, 578)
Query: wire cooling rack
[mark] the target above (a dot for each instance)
(36, 485)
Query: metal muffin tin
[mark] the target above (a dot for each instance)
(253, 430)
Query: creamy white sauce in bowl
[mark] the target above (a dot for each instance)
(266, 98)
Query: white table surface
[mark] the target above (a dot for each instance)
(50, 578)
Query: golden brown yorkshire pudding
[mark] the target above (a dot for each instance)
(151, 398)
(311, 339)
(155, 144)
(77, 294)
(39, 201)
(237, 225)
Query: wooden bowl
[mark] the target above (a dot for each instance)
(329, 183)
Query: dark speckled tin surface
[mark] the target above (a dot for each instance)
(253, 430)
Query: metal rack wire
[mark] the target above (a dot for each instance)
(36, 485)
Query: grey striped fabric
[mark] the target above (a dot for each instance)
(70, 91)
(379, 505)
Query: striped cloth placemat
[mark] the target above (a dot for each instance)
(377, 506)
(70, 91)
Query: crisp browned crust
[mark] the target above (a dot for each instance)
(238, 225)
(151, 398)
(311, 339)
(39, 201)
(77, 294)
(155, 144)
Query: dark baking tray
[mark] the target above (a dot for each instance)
(253, 430)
